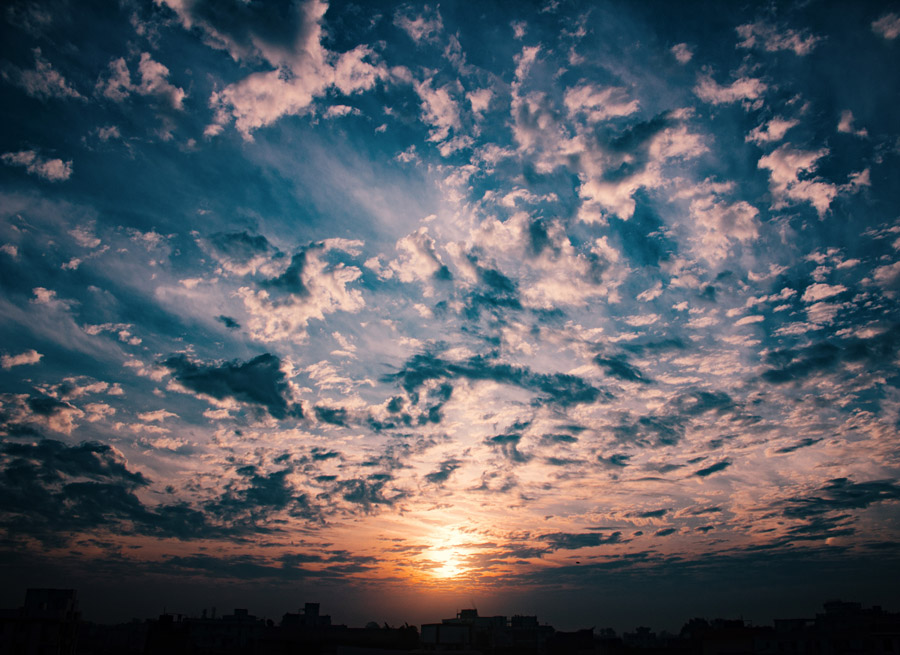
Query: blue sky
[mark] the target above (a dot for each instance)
(530, 306)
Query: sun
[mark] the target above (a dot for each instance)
(450, 562)
(447, 555)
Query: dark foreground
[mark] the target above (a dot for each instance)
(49, 623)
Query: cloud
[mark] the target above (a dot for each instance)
(52, 170)
(228, 322)
(309, 288)
(71, 490)
(43, 81)
(774, 130)
(888, 278)
(744, 89)
(718, 224)
(257, 382)
(769, 38)
(153, 82)
(845, 125)
(508, 445)
(682, 52)
(715, 468)
(794, 365)
(439, 110)
(842, 494)
(599, 104)
(888, 26)
(558, 388)
(818, 291)
(240, 253)
(444, 472)
(619, 367)
(420, 27)
(577, 541)
(418, 259)
(300, 68)
(786, 164)
(27, 357)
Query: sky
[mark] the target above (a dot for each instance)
(587, 310)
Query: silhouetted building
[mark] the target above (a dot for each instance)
(46, 625)
(487, 634)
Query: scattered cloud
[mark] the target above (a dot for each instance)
(52, 170)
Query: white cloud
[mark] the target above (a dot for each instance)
(439, 110)
(301, 70)
(10, 250)
(774, 130)
(84, 236)
(785, 165)
(642, 320)
(767, 37)
(744, 89)
(652, 293)
(154, 82)
(598, 104)
(27, 357)
(819, 291)
(285, 317)
(108, 133)
(888, 278)
(845, 125)
(418, 259)
(748, 320)
(719, 224)
(43, 81)
(52, 170)
(480, 100)
(682, 52)
(888, 26)
(157, 415)
(336, 111)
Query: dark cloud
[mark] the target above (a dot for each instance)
(803, 443)
(248, 502)
(577, 540)
(367, 492)
(651, 431)
(51, 491)
(508, 445)
(843, 494)
(333, 415)
(619, 367)
(672, 343)
(443, 473)
(665, 532)
(291, 280)
(696, 402)
(558, 388)
(667, 425)
(617, 459)
(819, 528)
(46, 406)
(238, 247)
(789, 365)
(496, 291)
(51, 460)
(715, 468)
(228, 322)
(652, 514)
(259, 382)
(558, 438)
